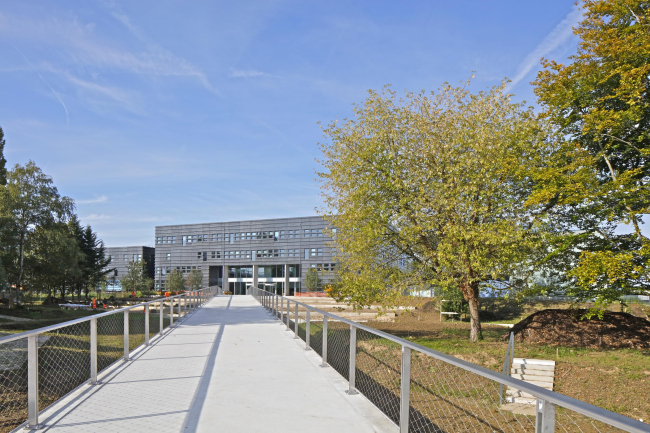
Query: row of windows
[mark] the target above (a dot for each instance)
(184, 269)
(295, 252)
(125, 257)
(247, 236)
(327, 267)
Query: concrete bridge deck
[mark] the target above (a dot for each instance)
(228, 367)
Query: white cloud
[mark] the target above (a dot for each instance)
(238, 73)
(560, 34)
(96, 217)
(100, 199)
(83, 48)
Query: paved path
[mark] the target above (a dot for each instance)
(228, 367)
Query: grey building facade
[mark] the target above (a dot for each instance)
(271, 253)
(121, 257)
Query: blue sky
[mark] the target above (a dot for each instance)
(168, 112)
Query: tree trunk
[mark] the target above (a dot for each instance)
(470, 292)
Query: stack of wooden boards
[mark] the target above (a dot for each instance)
(539, 372)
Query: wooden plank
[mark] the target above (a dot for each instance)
(550, 373)
(534, 367)
(517, 393)
(521, 400)
(528, 361)
(532, 378)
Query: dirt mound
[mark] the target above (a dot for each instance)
(564, 328)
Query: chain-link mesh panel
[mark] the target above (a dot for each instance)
(378, 372)
(136, 328)
(447, 398)
(63, 362)
(110, 339)
(568, 421)
(13, 384)
(166, 311)
(154, 320)
(316, 333)
(302, 323)
(338, 347)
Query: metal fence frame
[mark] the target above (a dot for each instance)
(192, 301)
(546, 400)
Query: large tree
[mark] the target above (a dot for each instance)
(28, 201)
(598, 182)
(429, 190)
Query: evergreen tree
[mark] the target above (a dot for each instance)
(3, 161)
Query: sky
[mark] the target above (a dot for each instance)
(173, 112)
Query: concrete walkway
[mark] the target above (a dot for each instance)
(228, 367)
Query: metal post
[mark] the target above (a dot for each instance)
(295, 323)
(288, 302)
(93, 351)
(545, 419)
(126, 335)
(353, 361)
(32, 381)
(146, 324)
(178, 308)
(171, 311)
(307, 330)
(161, 313)
(405, 389)
(281, 310)
(324, 357)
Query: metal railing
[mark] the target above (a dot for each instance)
(39, 367)
(423, 390)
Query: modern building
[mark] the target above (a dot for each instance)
(121, 257)
(271, 253)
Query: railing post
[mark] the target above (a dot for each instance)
(281, 310)
(126, 335)
(288, 304)
(545, 417)
(405, 389)
(307, 330)
(146, 324)
(93, 351)
(295, 323)
(171, 312)
(32, 381)
(324, 357)
(353, 361)
(178, 308)
(161, 313)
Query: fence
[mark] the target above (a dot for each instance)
(39, 367)
(422, 390)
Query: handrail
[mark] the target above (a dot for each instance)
(584, 408)
(20, 335)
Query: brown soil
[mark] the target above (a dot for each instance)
(564, 328)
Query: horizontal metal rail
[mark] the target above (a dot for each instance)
(73, 360)
(82, 319)
(589, 410)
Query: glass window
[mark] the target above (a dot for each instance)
(169, 256)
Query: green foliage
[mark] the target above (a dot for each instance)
(175, 281)
(312, 280)
(136, 278)
(194, 279)
(3, 161)
(435, 180)
(28, 201)
(597, 182)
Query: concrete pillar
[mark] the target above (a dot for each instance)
(286, 280)
(224, 278)
(255, 267)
